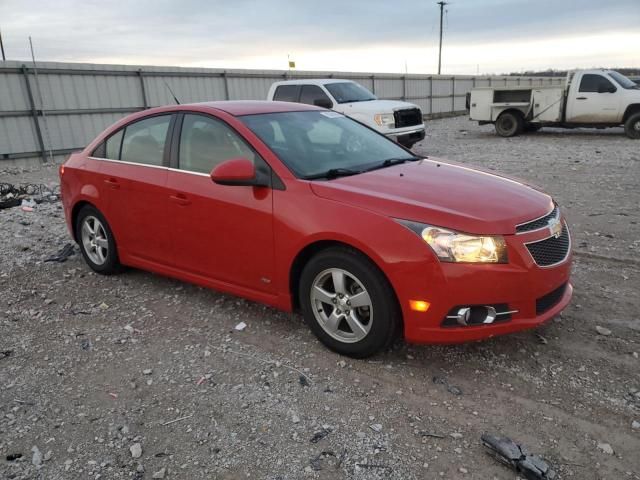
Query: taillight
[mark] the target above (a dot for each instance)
(61, 170)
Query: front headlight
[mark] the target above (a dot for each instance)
(385, 120)
(452, 246)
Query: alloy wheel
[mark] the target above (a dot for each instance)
(341, 305)
(94, 240)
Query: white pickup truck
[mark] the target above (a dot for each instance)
(400, 121)
(589, 98)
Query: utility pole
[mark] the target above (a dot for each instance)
(2, 47)
(442, 4)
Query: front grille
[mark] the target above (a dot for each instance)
(407, 117)
(551, 250)
(537, 223)
(550, 299)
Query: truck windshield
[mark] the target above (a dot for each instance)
(347, 92)
(319, 144)
(623, 81)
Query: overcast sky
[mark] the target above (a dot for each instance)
(489, 36)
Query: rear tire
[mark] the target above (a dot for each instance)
(632, 126)
(509, 124)
(348, 303)
(96, 240)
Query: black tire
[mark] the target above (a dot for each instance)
(386, 317)
(111, 264)
(509, 124)
(632, 126)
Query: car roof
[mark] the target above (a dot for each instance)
(312, 81)
(238, 107)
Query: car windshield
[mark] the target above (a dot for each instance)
(623, 81)
(318, 144)
(347, 92)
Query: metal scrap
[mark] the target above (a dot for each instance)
(515, 456)
(62, 255)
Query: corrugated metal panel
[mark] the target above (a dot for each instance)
(106, 93)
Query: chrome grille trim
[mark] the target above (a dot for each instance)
(539, 223)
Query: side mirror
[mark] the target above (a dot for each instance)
(238, 171)
(323, 102)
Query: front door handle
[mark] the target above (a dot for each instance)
(113, 183)
(581, 98)
(180, 199)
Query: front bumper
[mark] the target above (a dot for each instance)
(521, 286)
(408, 138)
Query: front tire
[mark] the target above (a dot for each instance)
(348, 303)
(632, 126)
(509, 124)
(96, 241)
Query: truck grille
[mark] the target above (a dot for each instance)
(407, 117)
(550, 299)
(552, 250)
(538, 222)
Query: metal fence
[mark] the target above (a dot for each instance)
(48, 112)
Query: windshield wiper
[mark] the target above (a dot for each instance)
(334, 173)
(393, 161)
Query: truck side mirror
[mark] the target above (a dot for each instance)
(323, 102)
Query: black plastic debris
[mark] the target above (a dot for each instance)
(303, 381)
(5, 353)
(438, 380)
(515, 456)
(62, 255)
(10, 203)
(319, 435)
(12, 457)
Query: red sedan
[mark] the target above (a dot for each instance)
(303, 208)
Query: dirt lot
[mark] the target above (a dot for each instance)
(91, 366)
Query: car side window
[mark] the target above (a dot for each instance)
(206, 142)
(311, 93)
(144, 141)
(286, 93)
(110, 148)
(595, 83)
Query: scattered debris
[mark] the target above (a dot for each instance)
(606, 448)
(5, 353)
(295, 418)
(635, 425)
(508, 452)
(430, 434)
(303, 381)
(176, 420)
(541, 339)
(320, 434)
(160, 473)
(136, 450)
(603, 331)
(438, 380)
(376, 427)
(36, 459)
(62, 255)
(241, 326)
(201, 380)
(12, 457)
(316, 462)
(147, 371)
(456, 435)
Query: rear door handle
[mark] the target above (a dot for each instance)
(581, 98)
(113, 183)
(180, 199)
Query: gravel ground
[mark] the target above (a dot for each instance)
(140, 376)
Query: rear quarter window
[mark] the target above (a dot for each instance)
(286, 93)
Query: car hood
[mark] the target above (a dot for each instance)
(375, 106)
(442, 194)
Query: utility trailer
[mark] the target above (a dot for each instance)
(589, 98)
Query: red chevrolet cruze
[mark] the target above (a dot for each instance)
(303, 208)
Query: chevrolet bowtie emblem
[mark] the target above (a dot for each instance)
(555, 227)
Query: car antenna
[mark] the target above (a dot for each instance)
(172, 94)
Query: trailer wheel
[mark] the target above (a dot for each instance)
(509, 124)
(632, 126)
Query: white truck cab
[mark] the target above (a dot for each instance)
(400, 121)
(589, 98)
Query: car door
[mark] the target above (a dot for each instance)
(594, 101)
(223, 233)
(134, 174)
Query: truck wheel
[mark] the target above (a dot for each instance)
(632, 126)
(509, 124)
